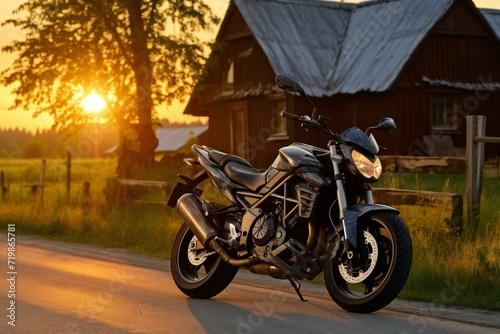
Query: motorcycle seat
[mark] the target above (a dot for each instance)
(245, 175)
(239, 170)
(222, 158)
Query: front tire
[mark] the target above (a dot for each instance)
(198, 273)
(376, 275)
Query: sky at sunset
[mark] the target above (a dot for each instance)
(24, 119)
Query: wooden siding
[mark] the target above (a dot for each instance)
(460, 21)
(234, 26)
(459, 59)
(253, 75)
(218, 128)
(454, 54)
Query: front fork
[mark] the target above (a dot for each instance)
(349, 227)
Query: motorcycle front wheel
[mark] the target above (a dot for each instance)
(376, 273)
(198, 273)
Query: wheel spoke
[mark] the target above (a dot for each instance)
(369, 284)
(209, 263)
(195, 270)
(385, 255)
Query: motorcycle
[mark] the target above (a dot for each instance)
(311, 211)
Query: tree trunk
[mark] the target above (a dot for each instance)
(142, 154)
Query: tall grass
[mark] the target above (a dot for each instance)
(450, 269)
(100, 217)
(447, 269)
(451, 183)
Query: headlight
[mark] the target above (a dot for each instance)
(370, 170)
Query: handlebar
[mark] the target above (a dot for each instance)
(305, 120)
(290, 116)
(308, 123)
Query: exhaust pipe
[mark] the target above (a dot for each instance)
(267, 269)
(189, 208)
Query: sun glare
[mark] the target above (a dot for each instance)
(93, 103)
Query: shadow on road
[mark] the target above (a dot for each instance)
(267, 316)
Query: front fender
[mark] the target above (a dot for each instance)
(356, 211)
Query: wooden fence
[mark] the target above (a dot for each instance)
(476, 138)
(140, 185)
(38, 189)
(423, 164)
(453, 202)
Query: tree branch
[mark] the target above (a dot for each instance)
(154, 3)
(112, 30)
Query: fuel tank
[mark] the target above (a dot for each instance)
(298, 155)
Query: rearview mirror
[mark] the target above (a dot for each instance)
(388, 125)
(290, 84)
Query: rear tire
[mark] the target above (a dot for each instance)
(364, 286)
(195, 273)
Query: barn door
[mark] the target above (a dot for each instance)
(239, 129)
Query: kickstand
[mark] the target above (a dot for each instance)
(296, 285)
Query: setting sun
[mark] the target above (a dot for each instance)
(93, 103)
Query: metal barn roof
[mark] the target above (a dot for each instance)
(172, 139)
(302, 38)
(381, 37)
(493, 18)
(343, 47)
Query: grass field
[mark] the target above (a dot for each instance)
(449, 270)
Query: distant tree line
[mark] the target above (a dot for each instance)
(23, 144)
(90, 142)
(19, 143)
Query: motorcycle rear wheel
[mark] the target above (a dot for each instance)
(365, 286)
(197, 274)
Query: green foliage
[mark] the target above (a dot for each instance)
(451, 183)
(91, 141)
(12, 142)
(104, 216)
(34, 149)
(449, 269)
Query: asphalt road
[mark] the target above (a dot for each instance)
(66, 288)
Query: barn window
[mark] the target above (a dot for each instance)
(278, 124)
(445, 113)
(229, 79)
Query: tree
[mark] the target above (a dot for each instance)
(136, 54)
(34, 149)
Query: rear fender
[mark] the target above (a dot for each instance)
(186, 188)
(218, 176)
(352, 215)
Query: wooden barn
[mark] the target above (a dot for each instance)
(425, 63)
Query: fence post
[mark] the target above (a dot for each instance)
(42, 180)
(86, 189)
(476, 127)
(3, 188)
